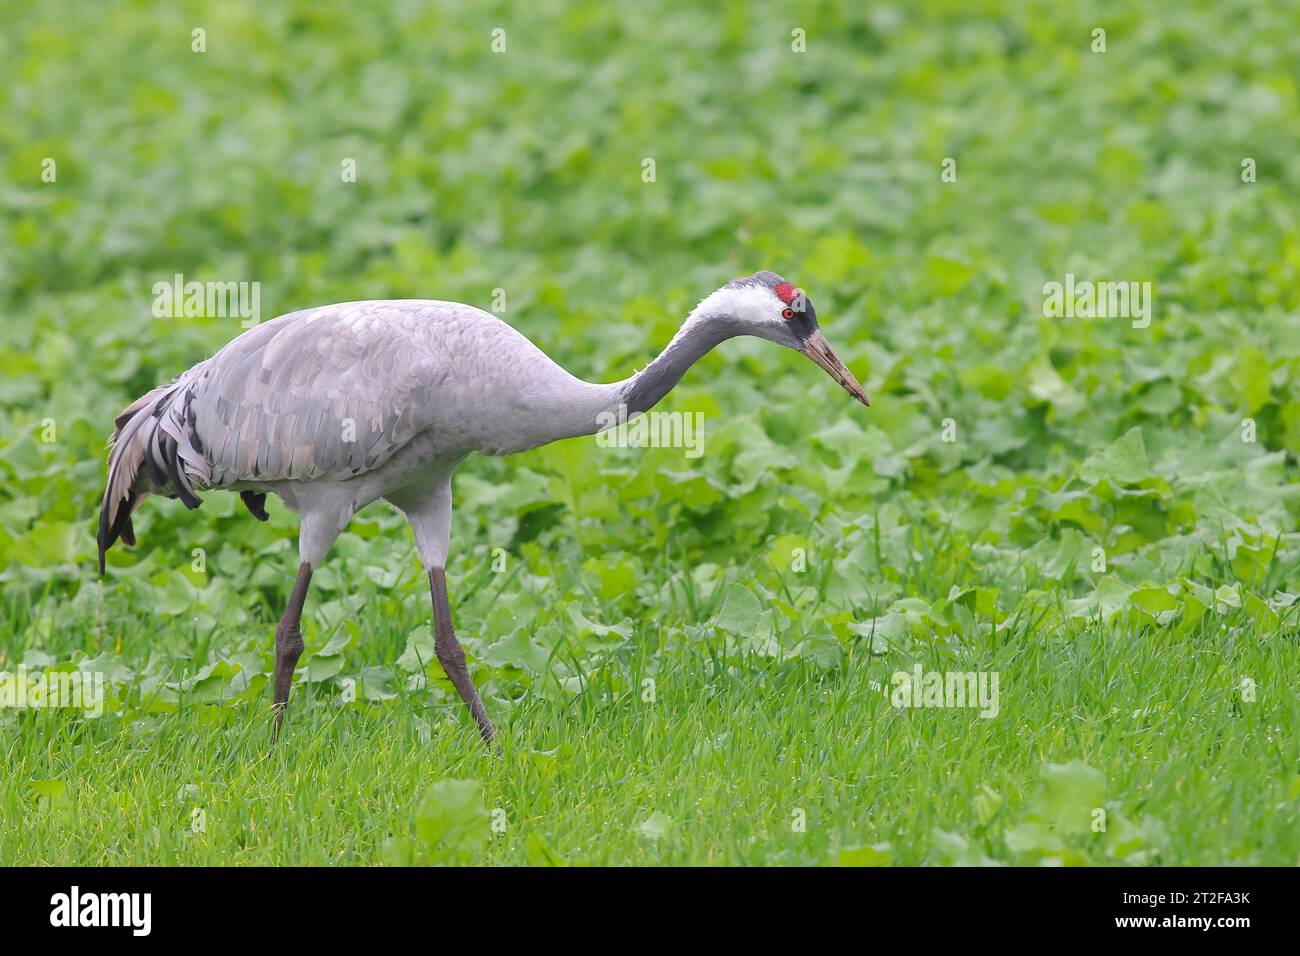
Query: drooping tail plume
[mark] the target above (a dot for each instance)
(151, 445)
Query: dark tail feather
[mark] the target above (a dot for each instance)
(255, 503)
(104, 538)
(156, 473)
(121, 527)
(180, 484)
(144, 459)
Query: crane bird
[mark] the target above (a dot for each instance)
(334, 407)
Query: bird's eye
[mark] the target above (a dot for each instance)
(787, 313)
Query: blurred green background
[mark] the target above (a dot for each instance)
(522, 171)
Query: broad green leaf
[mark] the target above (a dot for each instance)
(1068, 795)
(739, 612)
(451, 821)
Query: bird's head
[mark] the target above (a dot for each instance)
(766, 305)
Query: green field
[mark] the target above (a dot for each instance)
(692, 659)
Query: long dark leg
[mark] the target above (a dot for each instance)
(288, 645)
(451, 655)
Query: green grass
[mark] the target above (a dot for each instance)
(724, 759)
(728, 757)
(1102, 514)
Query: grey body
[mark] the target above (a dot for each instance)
(335, 407)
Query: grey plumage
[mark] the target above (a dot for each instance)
(329, 394)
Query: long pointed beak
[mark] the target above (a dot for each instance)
(819, 350)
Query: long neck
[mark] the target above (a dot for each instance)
(697, 336)
(583, 408)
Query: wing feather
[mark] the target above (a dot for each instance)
(324, 393)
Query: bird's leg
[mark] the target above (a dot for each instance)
(451, 655)
(288, 645)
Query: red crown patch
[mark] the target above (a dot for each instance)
(785, 292)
